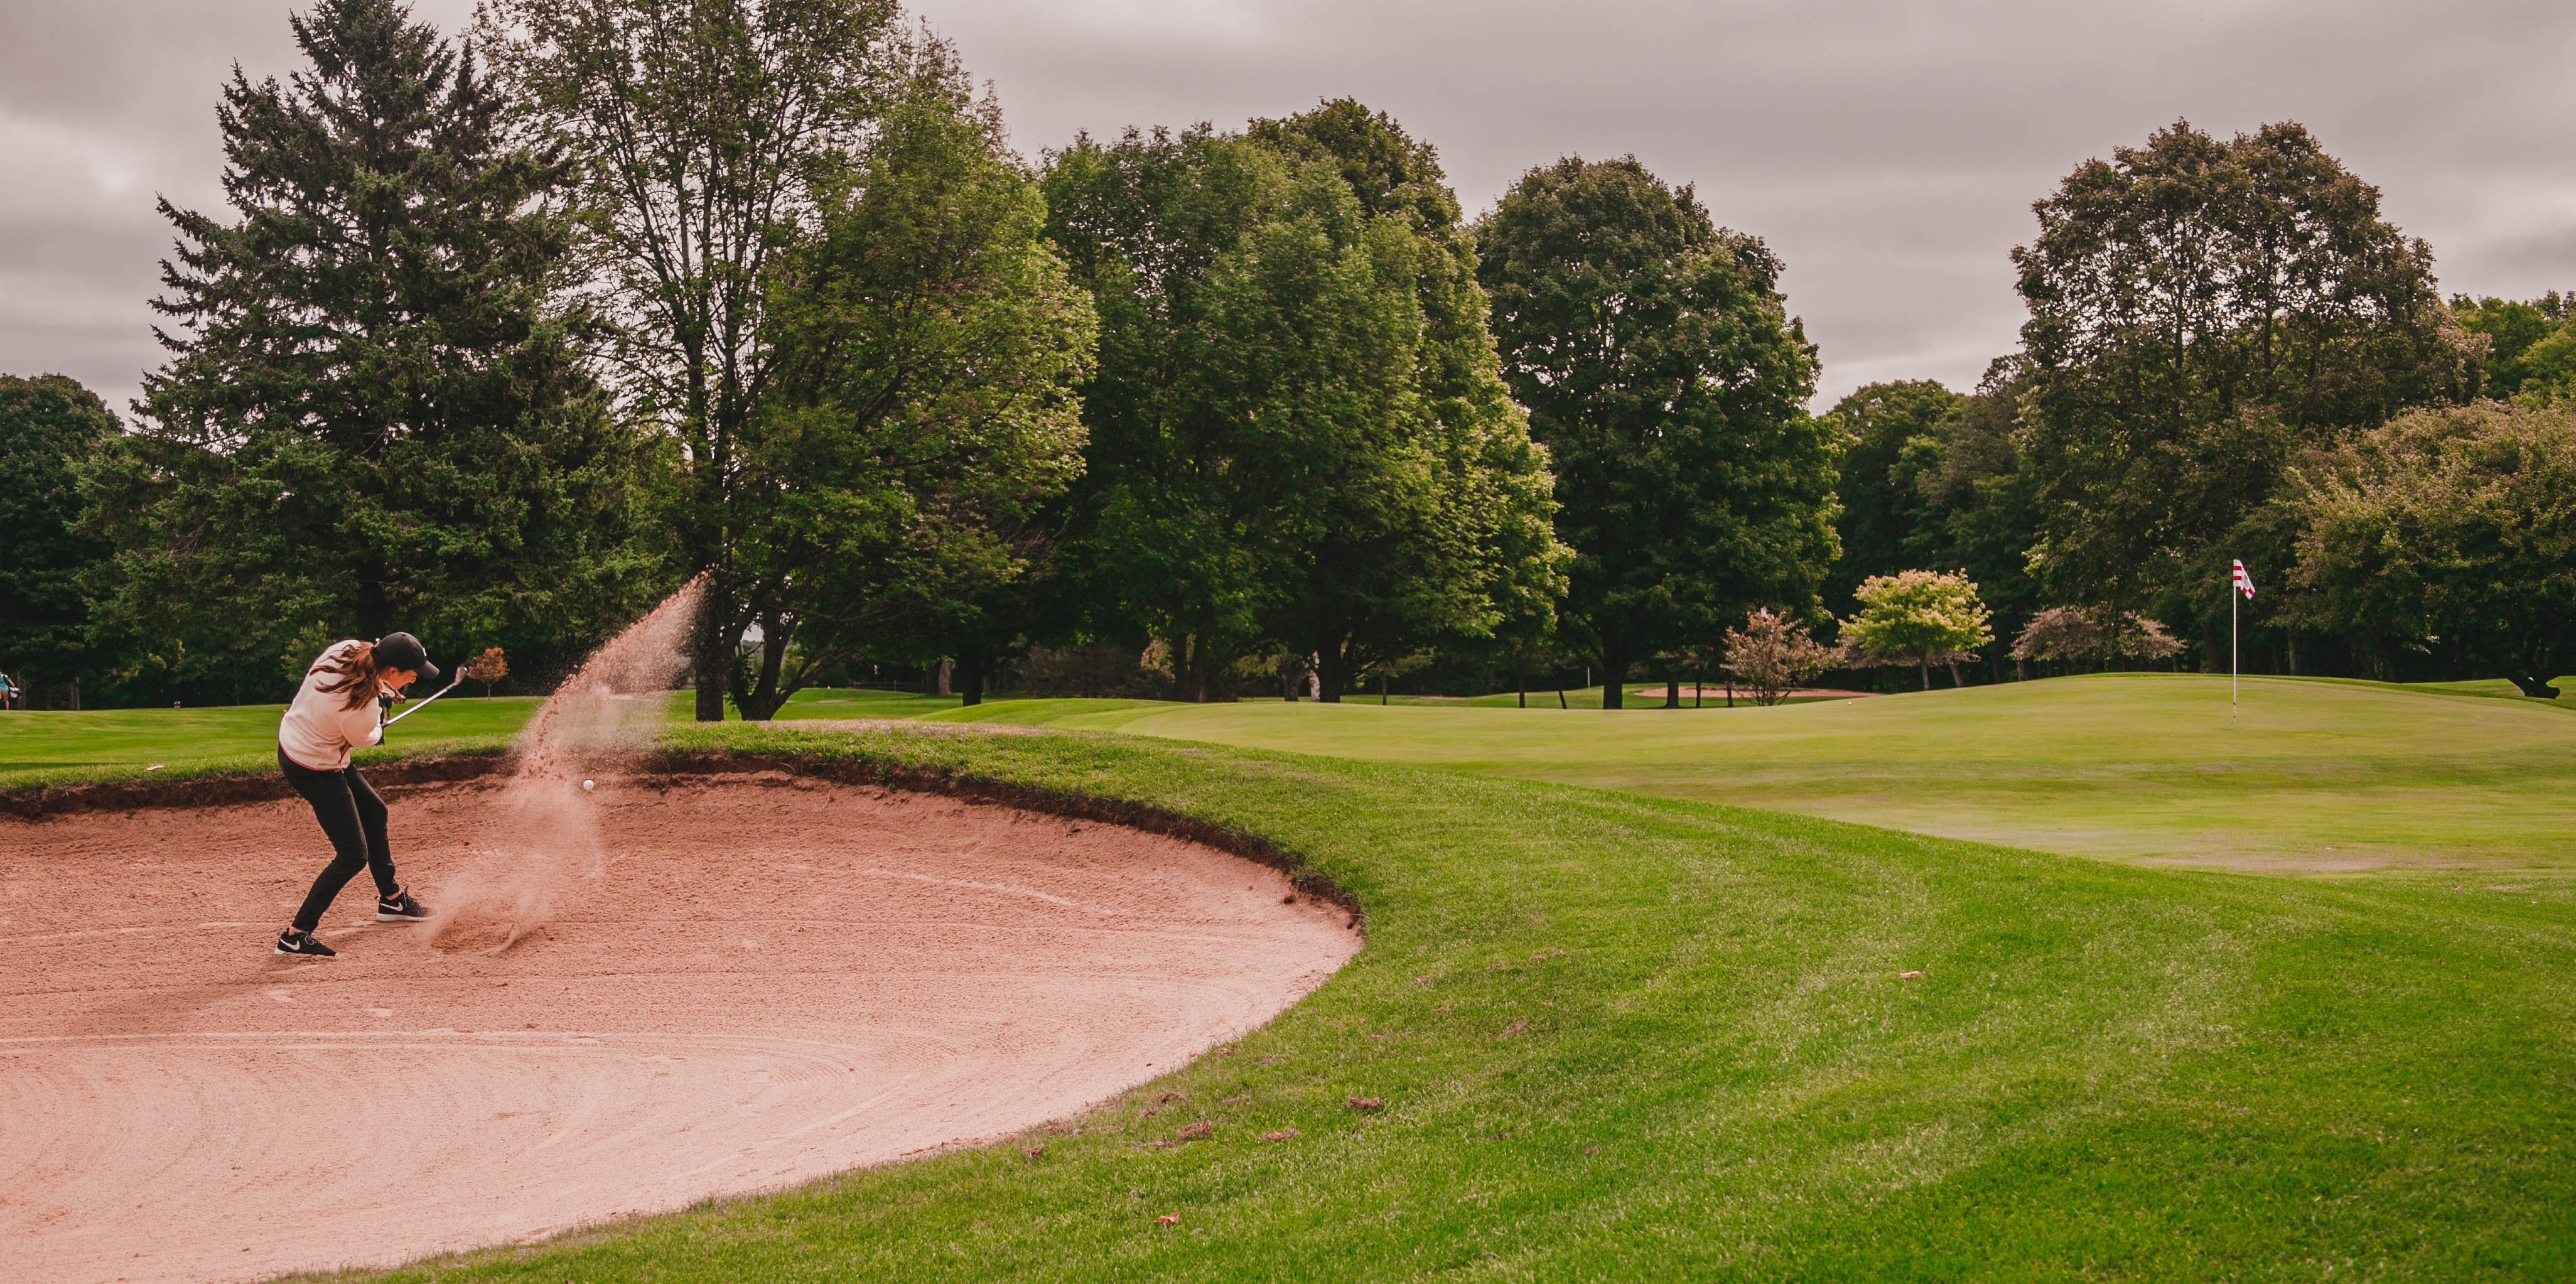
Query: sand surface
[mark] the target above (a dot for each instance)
(754, 984)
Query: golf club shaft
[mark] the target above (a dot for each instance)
(460, 681)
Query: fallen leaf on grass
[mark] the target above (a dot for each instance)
(1168, 1096)
(1284, 1134)
(1034, 1151)
(1194, 1131)
(1366, 1103)
(1909, 976)
(1168, 1219)
(1515, 1027)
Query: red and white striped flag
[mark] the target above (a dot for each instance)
(2244, 582)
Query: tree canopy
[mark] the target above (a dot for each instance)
(1880, 509)
(1919, 618)
(697, 130)
(1662, 371)
(1299, 441)
(2453, 526)
(2201, 310)
(925, 343)
(49, 427)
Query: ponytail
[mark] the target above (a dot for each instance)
(354, 665)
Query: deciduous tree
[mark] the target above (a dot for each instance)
(2457, 523)
(1919, 618)
(700, 128)
(926, 343)
(1663, 373)
(1773, 655)
(1880, 510)
(2071, 634)
(1299, 441)
(2201, 310)
(49, 426)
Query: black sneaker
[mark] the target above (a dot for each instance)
(291, 941)
(401, 909)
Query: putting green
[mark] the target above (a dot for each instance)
(2312, 775)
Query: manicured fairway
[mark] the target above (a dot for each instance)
(1619, 1037)
(2314, 775)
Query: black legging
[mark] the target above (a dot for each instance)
(354, 817)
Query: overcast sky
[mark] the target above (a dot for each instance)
(1888, 151)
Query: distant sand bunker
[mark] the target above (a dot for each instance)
(761, 983)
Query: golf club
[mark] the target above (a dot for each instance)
(424, 703)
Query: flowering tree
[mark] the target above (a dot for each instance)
(2075, 633)
(488, 668)
(1917, 618)
(1773, 656)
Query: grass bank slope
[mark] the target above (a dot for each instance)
(1618, 1037)
(2313, 775)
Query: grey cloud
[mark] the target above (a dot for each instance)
(1888, 150)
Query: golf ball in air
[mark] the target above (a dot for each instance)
(586, 784)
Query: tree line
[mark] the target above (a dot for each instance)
(2231, 355)
(504, 336)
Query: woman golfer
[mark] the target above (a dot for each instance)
(341, 707)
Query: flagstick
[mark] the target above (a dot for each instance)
(2231, 646)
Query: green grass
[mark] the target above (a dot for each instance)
(1623, 1037)
(41, 747)
(2313, 774)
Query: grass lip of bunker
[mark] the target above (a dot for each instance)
(858, 969)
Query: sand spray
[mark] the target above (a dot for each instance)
(543, 837)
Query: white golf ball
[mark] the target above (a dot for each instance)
(586, 784)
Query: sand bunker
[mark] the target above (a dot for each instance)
(760, 982)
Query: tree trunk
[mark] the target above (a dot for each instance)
(970, 675)
(1672, 691)
(2536, 688)
(710, 653)
(1955, 683)
(1332, 672)
(759, 703)
(1926, 666)
(1614, 675)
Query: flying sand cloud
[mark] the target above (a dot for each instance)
(1888, 150)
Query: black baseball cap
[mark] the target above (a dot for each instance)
(403, 651)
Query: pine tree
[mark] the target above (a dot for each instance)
(377, 413)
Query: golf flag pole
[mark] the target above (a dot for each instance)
(2239, 586)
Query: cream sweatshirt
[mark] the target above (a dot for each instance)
(319, 729)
